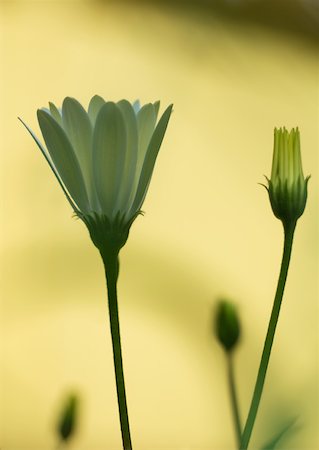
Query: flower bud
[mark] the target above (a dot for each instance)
(287, 186)
(68, 418)
(227, 326)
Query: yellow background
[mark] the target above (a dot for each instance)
(208, 230)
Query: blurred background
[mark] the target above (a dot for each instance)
(234, 70)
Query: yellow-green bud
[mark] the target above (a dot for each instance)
(227, 326)
(287, 186)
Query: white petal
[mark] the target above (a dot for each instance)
(109, 148)
(127, 188)
(95, 105)
(136, 106)
(150, 159)
(78, 128)
(156, 108)
(64, 159)
(146, 120)
(55, 113)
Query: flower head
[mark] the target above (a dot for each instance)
(103, 159)
(287, 186)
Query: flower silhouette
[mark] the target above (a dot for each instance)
(103, 159)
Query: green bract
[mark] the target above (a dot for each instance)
(103, 159)
(287, 186)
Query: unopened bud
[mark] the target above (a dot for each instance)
(287, 186)
(68, 418)
(227, 326)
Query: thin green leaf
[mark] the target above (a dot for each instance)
(272, 444)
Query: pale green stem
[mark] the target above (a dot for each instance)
(233, 396)
(288, 239)
(111, 265)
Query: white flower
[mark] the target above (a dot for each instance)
(103, 160)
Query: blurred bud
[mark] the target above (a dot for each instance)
(227, 326)
(287, 186)
(68, 418)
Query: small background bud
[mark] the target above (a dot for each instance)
(227, 326)
(68, 418)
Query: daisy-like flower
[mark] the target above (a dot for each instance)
(287, 186)
(103, 159)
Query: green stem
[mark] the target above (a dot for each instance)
(233, 396)
(289, 234)
(111, 265)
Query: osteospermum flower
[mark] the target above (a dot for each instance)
(287, 186)
(103, 159)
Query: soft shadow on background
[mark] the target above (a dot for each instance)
(234, 70)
